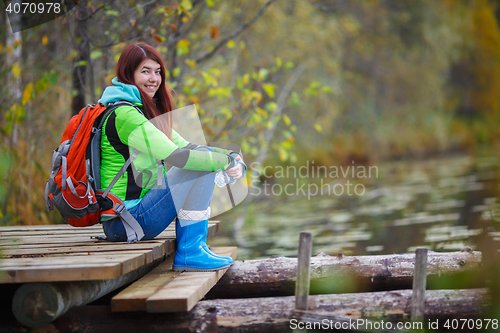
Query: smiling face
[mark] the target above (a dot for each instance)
(147, 77)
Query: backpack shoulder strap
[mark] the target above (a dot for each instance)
(112, 107)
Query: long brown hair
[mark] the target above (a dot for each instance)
(130, 59)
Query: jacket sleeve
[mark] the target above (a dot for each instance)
(183, 143)
(138, 132)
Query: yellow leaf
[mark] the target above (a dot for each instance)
(231, 44)
(287, 120)
(1, 47)
(258, 97)
(186, 4)
(183, 42)
(318, 128)
(45, 40)
(269, 89)
(191, 63)
(16, 70)
(27, 94)
(283, 154)
(185, 19)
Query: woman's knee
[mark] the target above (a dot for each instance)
(202, 147)
(114, 230)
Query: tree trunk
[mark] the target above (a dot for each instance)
(82, 46)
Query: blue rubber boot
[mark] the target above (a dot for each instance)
(191, 254)
(205, 246)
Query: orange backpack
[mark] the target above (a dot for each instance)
(74, 185)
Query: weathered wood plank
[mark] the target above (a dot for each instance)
(419, 284)
(40, 247)
(30, 252)
(68, 227)
(77, 257)
(134, 297)
(303, 271)
(183, 292)
(49, 240)
(61, 260)
(158, 248)
(69, 268)
(14, 234)
(70, 272)
(45, 227)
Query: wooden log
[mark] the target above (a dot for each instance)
(276, 276)
(38, 304)
(273, 314)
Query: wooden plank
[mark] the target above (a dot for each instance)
(183, 292)
(48, 240)
(68, 227)
(66, 235)
(419, 284)
(63, 268)
(13, 234)
(158, 248)
(134, 297)
(46, 227)
(68, 272)
(64, 253)
(303, 271)
(127, 260)
(169, 245)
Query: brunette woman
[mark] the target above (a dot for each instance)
(187, 186)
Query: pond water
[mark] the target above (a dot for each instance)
(443, 204)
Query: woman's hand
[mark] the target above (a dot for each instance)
(237, 171)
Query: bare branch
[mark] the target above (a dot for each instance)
(234, 33)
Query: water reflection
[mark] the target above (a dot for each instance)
(443, 204)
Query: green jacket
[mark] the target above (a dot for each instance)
(126, 129)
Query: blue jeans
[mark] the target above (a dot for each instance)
(185, 189)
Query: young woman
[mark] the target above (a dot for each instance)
(189, 183)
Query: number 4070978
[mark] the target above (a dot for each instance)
(471, 324)
(33, 8)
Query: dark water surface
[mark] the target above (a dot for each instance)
(443, 204)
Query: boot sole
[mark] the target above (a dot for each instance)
(194, 269)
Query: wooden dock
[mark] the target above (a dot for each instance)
(62, 262)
